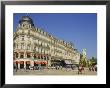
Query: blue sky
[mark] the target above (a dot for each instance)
(80, 28)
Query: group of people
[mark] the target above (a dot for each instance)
(93, 68)
(81, 69)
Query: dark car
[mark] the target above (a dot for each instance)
(73, 66)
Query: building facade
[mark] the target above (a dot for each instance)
(33, 45)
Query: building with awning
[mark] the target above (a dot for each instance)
(32, 44)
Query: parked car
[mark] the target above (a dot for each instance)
(73, 67)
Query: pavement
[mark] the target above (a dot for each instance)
(53, 72)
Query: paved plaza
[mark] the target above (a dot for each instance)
(53, 72)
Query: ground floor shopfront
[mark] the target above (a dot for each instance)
(30, 59)
(26, 63)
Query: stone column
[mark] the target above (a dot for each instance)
(18, 65)
(32, 63)
(18, 55)
(32, 59)
(25, 55)
(24, 64)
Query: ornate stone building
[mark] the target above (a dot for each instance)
(33, 46)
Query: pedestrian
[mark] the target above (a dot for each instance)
(83, 69)
(89, 68)
(92, 68)
(96, 68)
(79, 69)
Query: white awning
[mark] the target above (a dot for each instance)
(68, 62)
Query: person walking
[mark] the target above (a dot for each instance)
(80, 69)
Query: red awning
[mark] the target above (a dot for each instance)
(21, 62)
(27, 62)
(17, 62)
(14, 62)
(43, 62)
(36, 62)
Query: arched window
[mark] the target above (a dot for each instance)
(28, 55)
(16, 55)
(21, 55)
(35, 56)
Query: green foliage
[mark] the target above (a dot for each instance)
(82, 61)
(93, 61)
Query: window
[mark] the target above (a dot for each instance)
(35, 57)
(22, 38)
(44, 57)
(21, 55)
(41, 57)
(22, 45)
(28, 55)
(38, 57)
(16, 55)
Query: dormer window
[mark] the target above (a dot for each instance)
(25, 25)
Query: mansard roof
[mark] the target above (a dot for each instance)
(26, 19)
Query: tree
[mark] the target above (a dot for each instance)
(82, 61)
(93, 61)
